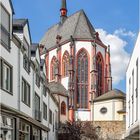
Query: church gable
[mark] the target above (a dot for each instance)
(35, 56)
(84, 29)
(76, 25)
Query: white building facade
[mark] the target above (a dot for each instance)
(110, 107)
(133, 94)
(28, 109)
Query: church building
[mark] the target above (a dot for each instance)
(79, 61)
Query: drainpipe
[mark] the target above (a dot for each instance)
(18, 93)
(75, 80)
(33, 95)
(48, 113)
(18, 79)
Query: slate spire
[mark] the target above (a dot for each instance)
(63, 10)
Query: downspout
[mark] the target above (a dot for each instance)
(18, 93)
(33, 95)
(48, 112)
(19, 78)
(75, 80)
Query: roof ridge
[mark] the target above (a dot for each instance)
(65, 20)
(77, 22)
(89, 24)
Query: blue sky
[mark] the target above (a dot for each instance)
(121, 16)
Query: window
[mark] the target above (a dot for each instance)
(37, 108)
(5, 27)
(82, 71)
(7, 128)
(6, 76)
(44, 111)
(100, 76)
(44, 91)
(24, 130)
(53, 68)
(136, 90)
(129, 101)
(53, 122)
(50, 116)
(25, 92)
(37, 81)
(26, 63)
(56, 119)
(132, 97)
(36, 133)
(26, 56)
(65, 64)
(63, 108)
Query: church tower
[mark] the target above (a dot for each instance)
(77, 59)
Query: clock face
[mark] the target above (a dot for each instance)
(103, 110)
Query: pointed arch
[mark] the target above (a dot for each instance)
(82, 78)
(53, 68)
(63, 108)
(65, 64)
(100, 75)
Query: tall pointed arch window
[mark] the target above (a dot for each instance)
(100, 76)
(63, 108)
(53, 68)
(65, 64)
(82, 81)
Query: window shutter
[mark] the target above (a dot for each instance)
(5, 19)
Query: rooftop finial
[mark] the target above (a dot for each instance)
(63, 10)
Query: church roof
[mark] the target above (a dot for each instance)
(113, 94)
(57, 88)
(76, 25)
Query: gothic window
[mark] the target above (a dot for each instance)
(63, 108)
(82, 71)
(53, 68)
(65, 64)
(100, 77)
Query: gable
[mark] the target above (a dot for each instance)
(38, 55)
(76, 25)
(26, 32)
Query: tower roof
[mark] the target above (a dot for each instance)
(76, 25)
(63, 4)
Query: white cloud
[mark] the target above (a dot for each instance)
(119, 56)
(123, 32)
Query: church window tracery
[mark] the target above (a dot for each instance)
(53, 68)
(65, 63)
(63, 108)
(82, 81)
(100, 77)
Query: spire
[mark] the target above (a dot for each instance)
(63, 10)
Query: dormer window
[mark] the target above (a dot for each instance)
(5, 27)
(26, 63)
(37, 81)
(26, 56)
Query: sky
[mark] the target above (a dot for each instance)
(117, 22)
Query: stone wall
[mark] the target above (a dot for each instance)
(110, 130)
